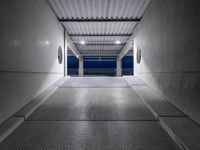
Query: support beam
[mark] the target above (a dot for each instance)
(126, 48)
(65, 54)
(80, 70)
(99, 35)
(102, 43)
(99, 20)
(99, 54)
(73, 48)
(119, 68)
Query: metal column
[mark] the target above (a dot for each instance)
(81, 72)
(119, 68)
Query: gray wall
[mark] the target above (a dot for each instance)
(30, 36)
(169, 38)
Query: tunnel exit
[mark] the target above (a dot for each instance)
(99, 74)
(100, 66)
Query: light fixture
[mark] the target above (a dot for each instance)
(117, 42)
(77, 56)
(82, 42)
(47, 42)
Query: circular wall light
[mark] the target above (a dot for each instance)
(60, 55)
(139, 54)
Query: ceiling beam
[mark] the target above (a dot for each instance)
(99, 35)
(126, 48)
(102, 44)
(71, 46)
(99, 54)
(99, 20)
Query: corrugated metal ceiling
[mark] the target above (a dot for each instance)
(99, 9)
(100, 27)
(103, 39)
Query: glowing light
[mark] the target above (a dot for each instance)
(82, 42)
(47, 42)
(118, 42)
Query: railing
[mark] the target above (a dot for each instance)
(100, 72)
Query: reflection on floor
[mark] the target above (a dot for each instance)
(91, 113)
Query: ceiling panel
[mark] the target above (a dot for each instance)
(99, 9)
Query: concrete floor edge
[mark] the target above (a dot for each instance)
(178, 140)
(8, 126)
(173, 135)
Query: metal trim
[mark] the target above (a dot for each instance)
(99, 20)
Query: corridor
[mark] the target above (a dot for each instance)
(99, 75)
(105, 114)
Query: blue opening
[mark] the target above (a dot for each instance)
(127, 65)
(72, 65)
(105, 66)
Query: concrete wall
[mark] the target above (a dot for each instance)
(169, 38)
(30, 36)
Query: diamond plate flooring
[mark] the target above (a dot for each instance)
(134, 81)
(99, 135)
(105, 115)
(98, 79)
(95, 82)
(93, 104)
